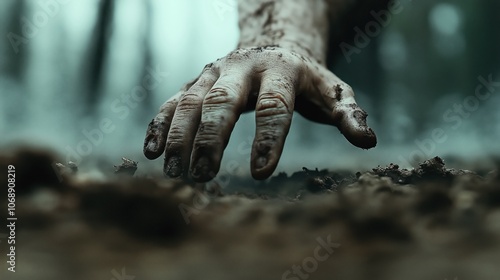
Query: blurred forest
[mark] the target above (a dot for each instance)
(65, 65)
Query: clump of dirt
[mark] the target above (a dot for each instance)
(128, 167)
(430, 170)
(427, 223)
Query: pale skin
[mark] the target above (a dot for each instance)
(277, 68)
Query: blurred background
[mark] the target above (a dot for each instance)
(72, 78)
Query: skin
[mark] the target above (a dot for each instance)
(277, 68)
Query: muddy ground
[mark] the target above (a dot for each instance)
(427, 223)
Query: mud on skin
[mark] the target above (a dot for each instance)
(278, 67)
(283, 75)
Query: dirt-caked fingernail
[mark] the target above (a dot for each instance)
(151, 145)
(262, 159)
(201, 169)
(155, 137)
(173, 167)
(261, 162)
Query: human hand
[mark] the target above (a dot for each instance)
(193, 127)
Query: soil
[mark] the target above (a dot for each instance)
(127, 166)
(426, 223)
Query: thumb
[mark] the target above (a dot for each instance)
(349, 118)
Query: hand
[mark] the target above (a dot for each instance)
(194, 126)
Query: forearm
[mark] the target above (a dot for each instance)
(298, 25)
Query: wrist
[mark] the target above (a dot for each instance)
(300, 26)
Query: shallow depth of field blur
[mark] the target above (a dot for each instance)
(72, 80)
(67, 65)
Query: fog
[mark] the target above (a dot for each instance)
(73, 71)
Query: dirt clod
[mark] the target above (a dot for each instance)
(127, 167)
(429, 170)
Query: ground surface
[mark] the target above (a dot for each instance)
(428, 223)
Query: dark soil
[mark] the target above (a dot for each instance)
(427, 223)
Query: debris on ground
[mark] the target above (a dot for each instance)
(127, 167)
(425, 223)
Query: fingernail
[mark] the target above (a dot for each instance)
(263, 150)
(201, 168)
(151, 145)
(152, 140)
(261, 162)
(173, 167)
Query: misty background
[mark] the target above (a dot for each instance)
(70, 67)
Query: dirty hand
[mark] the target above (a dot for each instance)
(194, 126)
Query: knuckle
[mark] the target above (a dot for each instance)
(272, 105)
(344, 89)
(211, 69)
(173, 146)
(270, 108)
(189, 101)
(339, 94)
(206, 141)
(169, 105)
(238, 54)
(270, 127)
(175, 136)
(291, 61)
(218, 96)
(208, 67)
(188, 85)
(206, 79)
(208, 130)
(294, 61)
